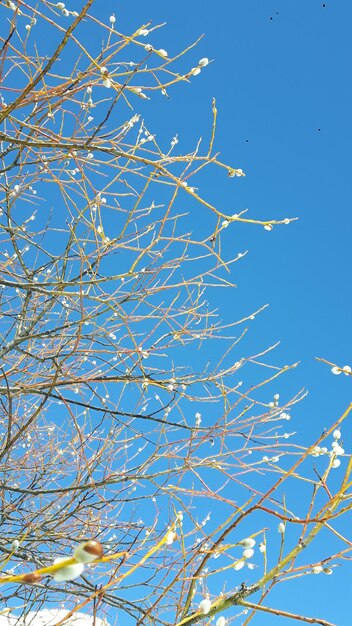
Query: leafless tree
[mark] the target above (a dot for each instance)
(119, 424)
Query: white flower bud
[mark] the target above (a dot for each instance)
(317, 569)
(88, 551)
(15, 545)
(281, 528)
(68, 572)
(248, 542)
(170, 538)
(205, 606)
(316, 451)
(238, 565)
(203, 62)
(221, 621)
(336, 434)
(248, 553)
(339, 451)
(336, 370)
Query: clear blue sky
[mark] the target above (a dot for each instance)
(284, 96)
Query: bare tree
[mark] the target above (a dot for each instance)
(120, 428)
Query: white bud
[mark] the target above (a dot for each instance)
(170, 538)
(163, 52)
(262, 548)
(336, 434)
(248, 553)
(248, 542)
(60, 5)
(205, 606)
(281, 528)
(203, 62)
(112, 19)
(70, 572)
(88, 551)
(317, 569)
(339, 451)
(347, 370)
(336, 370)
(221, 621)
(336, 463)
(15, 545)
(238, 565)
